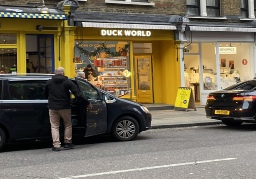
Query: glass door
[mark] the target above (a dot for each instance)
(191, 74)
(144, 79)
(46, 53)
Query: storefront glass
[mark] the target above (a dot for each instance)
(236, 64)
(209, 66)
(211, 72)
(8, 38)
(8, 60)
(106, 65)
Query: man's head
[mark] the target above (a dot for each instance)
(89, 66)
(59, 71)
(80, 74)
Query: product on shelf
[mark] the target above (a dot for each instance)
(112, 78)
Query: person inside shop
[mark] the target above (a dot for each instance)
(80, 74)
(90, 73)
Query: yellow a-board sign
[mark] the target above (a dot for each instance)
(185, 99)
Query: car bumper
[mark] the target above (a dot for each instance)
(237, 114)
(149, 121)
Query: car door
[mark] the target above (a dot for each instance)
(97, 116)
(25, 108)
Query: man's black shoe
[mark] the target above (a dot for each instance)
(56, 149)
(69, 146)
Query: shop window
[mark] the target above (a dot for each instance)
(110, 63)
(213, 8)
(235, 60)
(244, 8)
(193, 7)
(8, 38)
(209, 66)
(191, 48)
(8, 60)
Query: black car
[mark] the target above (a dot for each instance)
(233, 105)
(24, 112)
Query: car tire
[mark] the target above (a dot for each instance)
(125, 129)
(232, 123)
(2, 139)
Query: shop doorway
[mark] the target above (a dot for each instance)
(143, 67)
(40, 53)
(191, 73)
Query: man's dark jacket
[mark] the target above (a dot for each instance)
(57, 91)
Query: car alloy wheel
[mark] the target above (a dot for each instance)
(126, 128)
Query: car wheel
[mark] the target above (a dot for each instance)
(232, 122)
(125, 129)
(2, 138)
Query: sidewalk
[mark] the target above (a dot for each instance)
(164, 116)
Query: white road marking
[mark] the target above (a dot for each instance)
(148, 168)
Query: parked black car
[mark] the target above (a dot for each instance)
(233, 105)
(24, 113)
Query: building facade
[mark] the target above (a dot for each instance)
(220, 47)
(142, 50)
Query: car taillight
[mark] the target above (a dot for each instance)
(244, 98)
(210, 97)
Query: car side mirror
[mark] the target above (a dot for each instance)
(109, 99)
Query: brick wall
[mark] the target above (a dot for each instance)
(161, 6)
(230, 7)
(178, 7)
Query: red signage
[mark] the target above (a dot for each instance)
(244, 62)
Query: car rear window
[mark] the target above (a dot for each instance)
(27, 90)
(247, 85)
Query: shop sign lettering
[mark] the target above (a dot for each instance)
(128, 33)
(227, 50)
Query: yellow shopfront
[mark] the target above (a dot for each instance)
(33, 42)
(136, 64)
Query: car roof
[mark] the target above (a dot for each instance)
(26, 76)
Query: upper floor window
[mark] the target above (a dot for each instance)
(254, 7)
(131, 2)
(204, 8)
(213, 8)
(244, 8)
(193, 7)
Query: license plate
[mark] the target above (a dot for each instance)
(222, 112)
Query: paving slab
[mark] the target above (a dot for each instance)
(176, 118)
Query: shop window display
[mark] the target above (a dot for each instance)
(8, 60)
(110, 60)
(235, 64)
(238, 66)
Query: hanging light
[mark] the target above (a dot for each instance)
(44, 9)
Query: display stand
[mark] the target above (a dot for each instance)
(112, 78)
(184, 99)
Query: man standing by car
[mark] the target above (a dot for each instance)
(57, 91)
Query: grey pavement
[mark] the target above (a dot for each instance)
(164, 116)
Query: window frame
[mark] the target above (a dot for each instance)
(130, 2)
(214, 8)
(245, 9)
(30, 81)
(193, 6)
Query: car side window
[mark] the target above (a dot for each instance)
(88, 91)
(27, 90)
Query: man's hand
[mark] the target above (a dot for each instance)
(89, 106)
